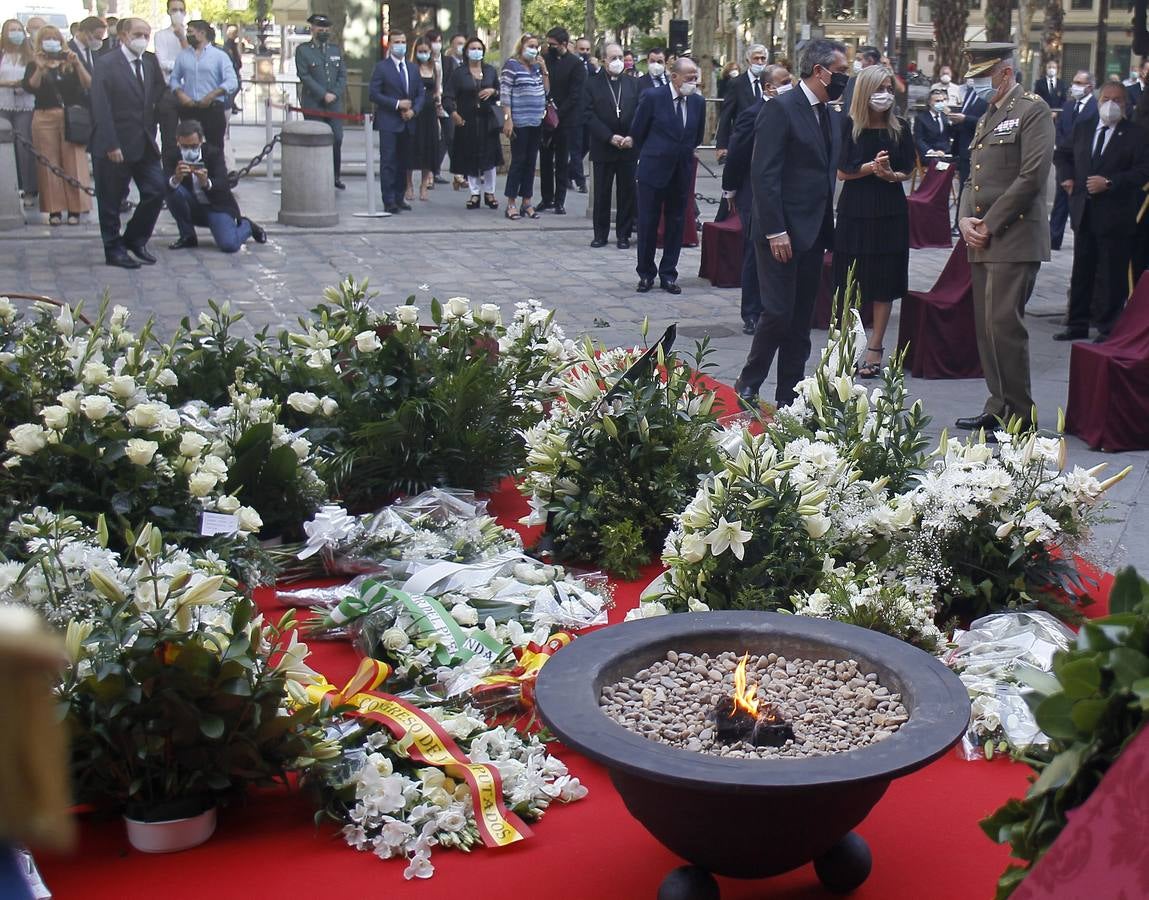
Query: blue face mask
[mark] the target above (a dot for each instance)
(475, 54)
(422, 56)
(530, 52)
(398, 50)
(191, 154)
(16, 37)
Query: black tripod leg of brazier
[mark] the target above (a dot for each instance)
(846, 865)
(688, 883)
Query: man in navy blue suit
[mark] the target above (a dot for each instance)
(794, 168)
(667, 128)
(398, 95)
(1080, 107)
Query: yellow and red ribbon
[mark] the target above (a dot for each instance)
(531, 659)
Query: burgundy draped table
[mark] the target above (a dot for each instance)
(722, 252)
(1109, 383)
(930, 209)
(938, 327)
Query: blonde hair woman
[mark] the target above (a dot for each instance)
(56, 78)
(872, 234)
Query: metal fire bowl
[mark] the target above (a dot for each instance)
(737, 817)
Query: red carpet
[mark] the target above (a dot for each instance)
(923, 834)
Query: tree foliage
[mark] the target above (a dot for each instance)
(949, 32)
(997, 19)
(1051, 31)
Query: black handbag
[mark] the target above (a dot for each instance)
(77, 124)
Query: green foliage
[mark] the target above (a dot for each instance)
(212, 356)
(1101, 701)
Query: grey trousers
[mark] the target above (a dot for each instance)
(1000, 292)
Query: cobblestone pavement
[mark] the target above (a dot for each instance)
(440, 249)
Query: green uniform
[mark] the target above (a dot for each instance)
(1010, 156)
(321, 71)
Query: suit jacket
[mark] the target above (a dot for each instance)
(387, 90)
(220, 196)
(665, 148)
(1056, 98)
(739, 96)
(1069, 118)
(601, 119)
(123, 113)
(567, 79)
(740, 150)
(646, 83)
(1125, 162)
(927, 135)
(80, 52)
(973, 110)
(793, 173)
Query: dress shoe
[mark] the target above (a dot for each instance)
(671, 287)
(644, 285)
(973, 423)
(623, 245)
(1101, 339)
(747, 396)
(258, 234)
(183, 243)
(1072, 334)
(560, 211)
(141, 253)
(404, 205)
(392, 208)
(546, 204)
(582, 188)
(596, 243)
(749, 326)
(121, 260)
(340, 186)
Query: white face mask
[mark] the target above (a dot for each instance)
(1077, 91)
(437, 47)
(138, 45)
(857, 67)
(945, 79)
(781, 89)
(687, 88)
(656, 69)
(881, 101)
(756, 69)
(981, 86)
(178, 17)
(734, 73)
(95, 44)
(50, 45)
(191, 154)
(1110, 113)
(614, 66)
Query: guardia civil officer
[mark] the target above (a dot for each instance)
(1004, 221)
(323, 81)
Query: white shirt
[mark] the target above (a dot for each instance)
(14, 99)
(953, 92)
(168, 47)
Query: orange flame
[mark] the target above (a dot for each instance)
(743, 698)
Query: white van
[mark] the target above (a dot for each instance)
(60, 13)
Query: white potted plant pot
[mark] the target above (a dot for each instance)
(170, 835)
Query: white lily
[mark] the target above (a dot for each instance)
(728, 535)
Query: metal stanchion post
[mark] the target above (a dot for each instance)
(369, 170)
(267, 133)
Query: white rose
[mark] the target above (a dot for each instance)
(7, 310)
(407, 315)
(201, 484)
(302, 447)
(167, 378)
(489, 314)
(70, 400)
(27, 439)
(816, 525)
(395, 639)
(146, 415)
(169, 420)
(123, 387)
(457, 307)
(693, 548)
(249, 520)
(192, 444)
(140, 451)
(56, 417)
(213, 465)
(328, 407)
(227, 504)
(96, 407)
(555, 349)
(368, 342)
(465, 615)
(305, 402)
(94, 372)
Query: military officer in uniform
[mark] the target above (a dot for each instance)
(323, 81)
(1004, 222)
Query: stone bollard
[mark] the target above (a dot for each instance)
(11, 211)
(307, 176)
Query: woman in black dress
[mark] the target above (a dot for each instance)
(425, 148)
(872, 234)
(471, 96)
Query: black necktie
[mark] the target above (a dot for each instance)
(403, 73)
(1099, 146)
(824, 121)
(757, 90)
(681, 101)
(139, 72)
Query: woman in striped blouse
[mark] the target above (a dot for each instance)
(523, 91)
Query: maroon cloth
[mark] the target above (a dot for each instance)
(1109, 383)
(938, 327)
(824, 302)
(1096, 854)
(930, 209)
(722, 252)
(690, 219)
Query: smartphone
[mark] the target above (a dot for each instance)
(197, 165)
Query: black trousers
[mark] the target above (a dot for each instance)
(1058, 217)
(1101, 263)
(336, 126)
(111, 188)
(667, 203)
(788, 292)
(446, 136)
(554, 165)
(168, 117)
(580, 146)
(606, 173)
(394, 156)
(751, 303)
(211, 118)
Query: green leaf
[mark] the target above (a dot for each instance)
(1087, 713)
(1054, 716)
(1128, 592)
(1060, 771)
(1079, 678)
(1128, 666)
(1140, 688)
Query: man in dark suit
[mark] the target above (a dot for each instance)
(1080, 107)
(655, 75)
(1051, 89)
(398, 95)
(567, 78)
(745, 92)
(125, 89)
(610, 101)
(933, 132)
(90, 42)
(580, 137)
(797, 140)
(667, 127)
(736, 179)
(1102, 170)
(198, 193)
(863, 59)
(964, 121)
(1137, 92)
